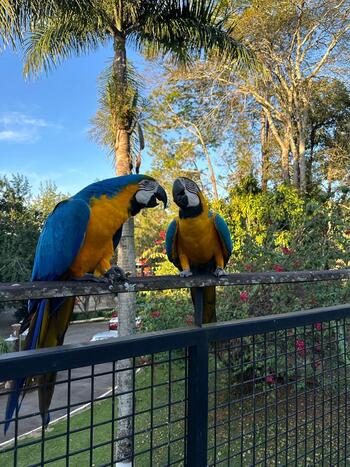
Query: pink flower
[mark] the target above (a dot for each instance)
(278, 268)
(155, 314)
(318, 326)
(287, 251)
(244, 296)
(300, 347)
(162, 234)
(159, 242)
(248, 267)
(271, 379)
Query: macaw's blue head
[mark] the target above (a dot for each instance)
(149, 191)
(144, 191)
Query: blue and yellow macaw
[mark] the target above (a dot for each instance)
(198, 241)
(77, 242)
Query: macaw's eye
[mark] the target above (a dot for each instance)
(148, 185)
(191, 186)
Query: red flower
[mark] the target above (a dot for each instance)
(300, 347)
(248, 267)
(318, 326)
(244, 296)
(162, 235)
(271, 379)
(278, 268)
(155, 314)
(189, 320)
(142, 261)
(287, 251)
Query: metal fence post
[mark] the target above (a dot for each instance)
(197, 422)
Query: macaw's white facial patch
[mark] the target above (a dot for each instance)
(143, 196)
(193, 199)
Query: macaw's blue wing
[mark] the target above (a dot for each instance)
(171, 244)
(224, 235)
(61, 239)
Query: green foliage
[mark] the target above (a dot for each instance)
(21, 219)
(4, 347)
(160, 311)
(19, 229)
(47, 198)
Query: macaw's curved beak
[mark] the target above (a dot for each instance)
(179, 194)
(161, 195)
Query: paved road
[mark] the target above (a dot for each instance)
(80, 390)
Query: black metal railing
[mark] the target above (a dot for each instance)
(262, 391)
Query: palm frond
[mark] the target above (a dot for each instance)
(8, 25)
(61, 35)
(186, 29)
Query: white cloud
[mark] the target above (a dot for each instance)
(18, 127)
(10, 135)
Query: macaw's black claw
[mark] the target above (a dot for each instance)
(186, 273)
(115, 274)
(90, 278)
(219, 272)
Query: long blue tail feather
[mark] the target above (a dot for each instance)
(12, 401)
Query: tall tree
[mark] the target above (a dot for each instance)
(297, 43)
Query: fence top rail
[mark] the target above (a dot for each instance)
(34, 290)
(38, 361)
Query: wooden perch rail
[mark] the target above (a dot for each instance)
(26, 290)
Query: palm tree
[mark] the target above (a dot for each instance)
(182, 29)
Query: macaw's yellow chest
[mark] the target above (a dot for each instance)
(198, 239)
(107, 215)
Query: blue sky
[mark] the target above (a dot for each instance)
(44, 122)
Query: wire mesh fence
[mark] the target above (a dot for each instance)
(280, 398)
(265, 391)
(85, 416)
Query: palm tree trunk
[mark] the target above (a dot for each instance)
(126, 260)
